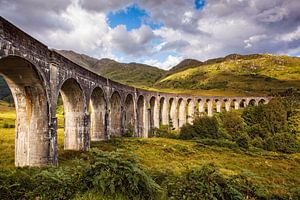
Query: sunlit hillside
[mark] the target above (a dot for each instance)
(252, 75)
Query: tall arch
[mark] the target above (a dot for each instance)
(252, 102)
(98, 107)
(173, 120)
(32, 143)
(163, 112)
(115, 114)
(141, 116)
(74, 115)
(129, 112)
(181, 112)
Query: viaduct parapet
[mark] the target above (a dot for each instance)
(95, 108)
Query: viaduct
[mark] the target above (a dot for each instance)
(37, 75)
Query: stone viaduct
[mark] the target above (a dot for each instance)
(95, 108)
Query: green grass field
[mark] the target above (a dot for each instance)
(270, 171)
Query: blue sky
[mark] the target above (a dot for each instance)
(160, 32)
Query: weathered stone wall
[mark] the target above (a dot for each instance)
(37, 75)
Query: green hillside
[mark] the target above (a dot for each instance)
(236, 74)
(133, 74)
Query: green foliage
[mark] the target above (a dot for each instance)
(114, 173)
(129, 132)
(286, 143)
(111, 174)
(206, 127)
(208, 183)
(232, 122)
(163, 131)
(243, 140)
(187, 132)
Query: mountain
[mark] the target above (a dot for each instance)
(134, 74)
(257, 74)
(187, 63)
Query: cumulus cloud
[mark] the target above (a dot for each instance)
(170, 62)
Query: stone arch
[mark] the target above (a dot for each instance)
(26, 83)
(252, 102)
(173, 121)
(74, 115)
(163, 112)
(129, 112)
(261, 101)
(98, 106)
(243, 103)
(115, 114)
(190, 110)
(181, 112)
(141, 116)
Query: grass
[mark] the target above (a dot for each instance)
(270, 171)
(262, 75)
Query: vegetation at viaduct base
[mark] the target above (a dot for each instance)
(246, 154)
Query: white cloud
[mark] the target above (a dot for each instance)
(170, 61)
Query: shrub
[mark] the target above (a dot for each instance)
(206, 127)
(187, 132)
(269, 144)
(286, 143)
(114, 172)
(208, 183)
(243, 141)
(258, 142)
(129, 132)
(163, 132)
(232, 122)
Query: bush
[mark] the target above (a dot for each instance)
(113, 173)
(243, 141)
(206, 127)
(187, 132)
(163, 132)
(129, 132)
(286, 143)
(258, 142)
(208, 183)
(232, 122)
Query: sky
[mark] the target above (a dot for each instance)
(160, 32)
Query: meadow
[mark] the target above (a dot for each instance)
(270, 172)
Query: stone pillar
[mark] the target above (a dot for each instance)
(191, 112)
(164, 113)
(145, 120)
(219, 106)
(173, 115)
(156, 114)
(201, 107)
(182, 114)
(209, 108)
(75, 130)
(227, 105)
(236, 104)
